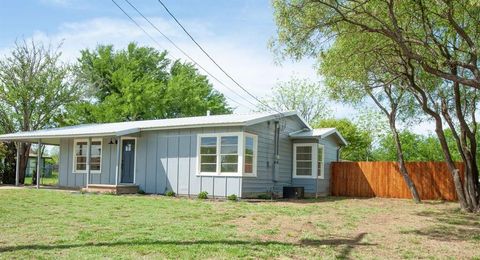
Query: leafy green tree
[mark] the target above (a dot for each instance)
(416, 147)
(140, 83)
(423, 31)
(35, 88)
(189, 93)
(427, 48)
(359, 141)
(302, 95)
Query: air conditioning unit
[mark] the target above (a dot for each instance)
(293, 192)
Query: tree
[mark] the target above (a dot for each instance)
(416, 147)
(189, 93)
(354, 75)
(139, 83)
(424, 31)
(35, 88)
(429, 46)
(300, 95)
(359, 141)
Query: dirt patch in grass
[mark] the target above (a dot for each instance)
(373, 228)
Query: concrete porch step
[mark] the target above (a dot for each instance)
(115, 189)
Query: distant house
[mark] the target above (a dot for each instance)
(31, 168)
(246, 155)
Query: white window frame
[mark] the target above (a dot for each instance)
(255, 154)
(101, 155)
(74, 169)
(322, 169)
(314, 161)
(240, 152)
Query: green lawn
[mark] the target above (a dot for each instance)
(53, 224)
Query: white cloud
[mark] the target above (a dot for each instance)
(253, 67)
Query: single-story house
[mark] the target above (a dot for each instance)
(245, 155)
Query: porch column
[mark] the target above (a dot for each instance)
(89, 154)
(39, 156)
(17, 165)
(117, 169)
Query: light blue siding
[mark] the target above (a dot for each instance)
(151, 166)
(76, 180)
(320, 186)
(167, 161)
(162, 163)
(266, 180)
(183, 172)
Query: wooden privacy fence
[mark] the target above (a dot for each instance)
(383, 179)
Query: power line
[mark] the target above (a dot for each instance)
(185, 53)
(161, 47)
(213, 60)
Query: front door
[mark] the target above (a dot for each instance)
(128, 160)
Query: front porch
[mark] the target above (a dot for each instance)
(111, 188)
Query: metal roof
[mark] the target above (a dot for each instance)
(124, 128)
(317, 133)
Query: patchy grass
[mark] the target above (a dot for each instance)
(53, 224)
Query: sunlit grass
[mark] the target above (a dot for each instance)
(53, 224)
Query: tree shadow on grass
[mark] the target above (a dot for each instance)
(349, 244)
(305, 200)
(450, 225)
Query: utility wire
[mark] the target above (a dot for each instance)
(161, 47)
(185, 53)
(213, 60)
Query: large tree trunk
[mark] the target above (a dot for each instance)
(466, 143)
(446, 152)
(401, 162)
(423, 100)
(8, 176)
(392, 117)
(24, 152)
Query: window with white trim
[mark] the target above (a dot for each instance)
(308, 160)
(250, 154)
(80, 156)
(96, 156)
(208, 154)
(304, 160)
(81, 153)
(320, 161)
(228, 154)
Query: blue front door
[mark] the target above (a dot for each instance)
(128, 160)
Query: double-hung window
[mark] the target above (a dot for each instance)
(227, 154)
(80, 156)
(80, 161)
(250, 154)
(308, 160)
(208, 154)
(96, 156)
(320, 161)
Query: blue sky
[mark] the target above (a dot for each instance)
(235, 32)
